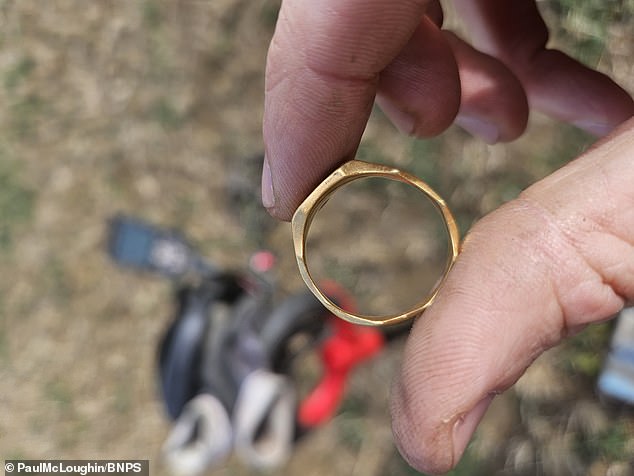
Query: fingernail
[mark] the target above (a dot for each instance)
(405, 122)
(465, 426)
(268, 196)
(598, 129)
(486, 131)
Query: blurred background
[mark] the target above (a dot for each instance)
(154, 109)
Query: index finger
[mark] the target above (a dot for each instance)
(322, 76)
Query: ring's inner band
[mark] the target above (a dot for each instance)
(382, 240)
(405, 251)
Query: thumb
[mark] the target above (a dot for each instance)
(559, 257)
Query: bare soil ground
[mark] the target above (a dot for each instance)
(154, 108)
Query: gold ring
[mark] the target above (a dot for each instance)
(348, 172)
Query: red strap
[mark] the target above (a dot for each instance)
(348, 346)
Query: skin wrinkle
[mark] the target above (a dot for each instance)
(608, 222)
(611, 225)
(508, 374)
(596, 228)
(436, 377)
(277, 56)
(561, 236)
(400, 71)
(443, 459)
(512, 275)
(321, 113)
(506, 285)
(277, 75)
(425, 51)
(354, 41)
(604, 258)
(336, 76)
(621, 268)
(334, 121)
(439, 378)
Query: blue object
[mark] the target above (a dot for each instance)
(616, 381)
(131, 242)
(136, 244)
(617, 386)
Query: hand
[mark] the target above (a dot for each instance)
(329, 59)
(535, 271)
(541, 267)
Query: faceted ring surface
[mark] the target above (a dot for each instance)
(348, 172)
